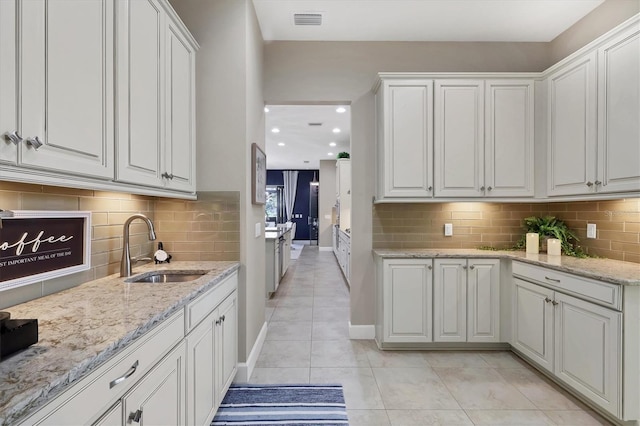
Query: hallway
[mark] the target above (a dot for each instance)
(308, 342)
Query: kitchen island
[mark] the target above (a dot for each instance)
(83, 328)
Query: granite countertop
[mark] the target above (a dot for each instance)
(83, 327)
(613, 271)
(275, 233)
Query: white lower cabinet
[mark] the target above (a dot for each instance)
(579, 342)
(227, 342)
(111, 417)
(466, 297)
(159, 398)
(407, 300)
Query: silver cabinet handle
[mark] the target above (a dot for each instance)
(13, 137)
(429, 267)
(482, 188)
(35, 142)
(223, 318)
(547, 300)
(125, 376)
(167, 175)
(554, 303)
(430, 188)
(472, 267)
(598, 182)
(135, 417)
(589, 184)
(551, 279)
(219, 321)
(489, 188)
(464, 267)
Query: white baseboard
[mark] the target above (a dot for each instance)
(326, 248)
(362, 332)
(245, 369)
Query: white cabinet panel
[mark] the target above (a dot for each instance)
(587, 350)
(201, 347)
(533, 322)
(572, 122)
(407, 302)
(483, 301)
(66, 86)
(619, 114)
(8, 82)
(405, 139)
(159, 398)
(227, 341)
(509, 158)
(112, 417)
(459, 138)
(449, 300)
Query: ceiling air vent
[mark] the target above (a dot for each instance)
(315, 124)
(307, 18)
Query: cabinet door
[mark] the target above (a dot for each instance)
(180, 144)
(227, 353)
(450, 300)
(159, 397)
(8, 83)
(533, 322)
(201, 347)
(66, 86)
(572, 120)
(618, 114)
(407, 295)
(140, 76)
(459, 138)
(588, 340)
(405, 161)
(483, 301)
(509, 138)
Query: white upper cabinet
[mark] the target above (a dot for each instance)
(9, 135)
(619, 113)
(156, 90)
(180, 145)
(459, 138)
(140, 91)
(405, 139)
(572, 119)
(509, 124)
(66, 86)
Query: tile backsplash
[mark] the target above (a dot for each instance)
(499, 225)
(206, 229)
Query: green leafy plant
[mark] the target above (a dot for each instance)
(343, 155)
(552, 227)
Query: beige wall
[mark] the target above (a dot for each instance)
(207, 229)
(230, 117)
(326, 201)
(599, 21)
(346, 71)
(499, 225)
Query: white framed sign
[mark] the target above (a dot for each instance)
(40, 245)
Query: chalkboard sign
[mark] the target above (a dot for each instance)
(36, 246)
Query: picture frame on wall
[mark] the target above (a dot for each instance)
(258, 175)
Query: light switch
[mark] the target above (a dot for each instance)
(591, 230)
(258, 229)
(448, 229)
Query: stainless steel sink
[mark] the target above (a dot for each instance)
(168, 277)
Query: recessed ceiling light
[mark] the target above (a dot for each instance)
(340, 110)
(330, 154)
(332, 144)
(266, 109)
(275, 130)
(280, 143)
(336, 130)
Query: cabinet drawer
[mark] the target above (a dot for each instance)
(596, 291)
(96, 392)
(202, 306)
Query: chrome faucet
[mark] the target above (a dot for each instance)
(125, 263)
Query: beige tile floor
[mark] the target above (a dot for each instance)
(308, 342)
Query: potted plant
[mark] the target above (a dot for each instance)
(551, 227)
(343, 155)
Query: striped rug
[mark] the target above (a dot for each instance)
(303, 405)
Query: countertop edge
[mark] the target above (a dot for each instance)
(31, 403)
(520, 257)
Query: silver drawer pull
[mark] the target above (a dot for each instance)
(554, 303)
(13, 137)
(551, 279)
(547, 300)
(135, 417)
(35, 142)
(124, 377)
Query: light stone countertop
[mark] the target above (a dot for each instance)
(83, 327)
(612, 271)
(274, 234)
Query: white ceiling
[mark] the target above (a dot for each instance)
(422, 20)
(392, 20)
(304, 142)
